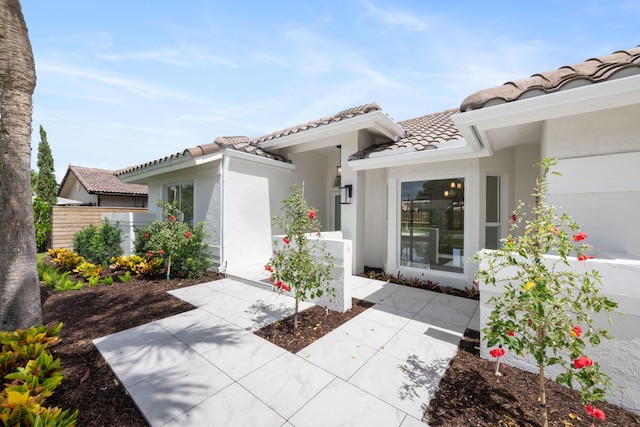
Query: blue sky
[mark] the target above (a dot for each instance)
(125, 82)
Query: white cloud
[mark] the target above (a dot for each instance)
(395, 18)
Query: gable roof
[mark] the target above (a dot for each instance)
(102, 181)
(253, 145)
(341, 116)
(595, 70)
(421, 133)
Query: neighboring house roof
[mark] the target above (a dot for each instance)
(102, 181)
(595, 70)
(421, 133)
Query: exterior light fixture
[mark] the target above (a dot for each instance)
(346, 193)
(337, 181)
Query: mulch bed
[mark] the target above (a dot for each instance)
(469, 394)
(314, 323)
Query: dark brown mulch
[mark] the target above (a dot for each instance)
(315, 323)
(469, 394)
(90, 313)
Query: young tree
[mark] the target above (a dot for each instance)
(19, 285)
(545, 309)
(46, 187)
(296, 264)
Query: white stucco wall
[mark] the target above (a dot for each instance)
(618, 357)
(252, 195)
(75, 191)
(600, 186)
(313, 169)
(374, 218)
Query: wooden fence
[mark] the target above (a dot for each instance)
(66, 221)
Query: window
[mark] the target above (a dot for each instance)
(493, 223)
(432, 224)
(183, 195)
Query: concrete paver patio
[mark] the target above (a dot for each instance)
(205, 367)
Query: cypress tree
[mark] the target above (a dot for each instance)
(47, 187)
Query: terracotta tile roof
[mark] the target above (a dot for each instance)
(595, 70)
(253, 146)
(343, 115)
(422, 133)
(244, 144)
(101, 181)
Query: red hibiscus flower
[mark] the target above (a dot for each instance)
(497, 352)
(577, 330)
(188, 234)
(278, 284)
(511, 333)
(555, 231)
(595, 412)
(172, 218)
(146, 235)
(312, 214)
(514, 217)
(160, 252)
(271, 279)
(583, 257)
(286, 287)
(582, 362)
(149, 254)
(268, 268)
(579, 236)
(285, 240)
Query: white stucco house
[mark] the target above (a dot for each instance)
(428, 192)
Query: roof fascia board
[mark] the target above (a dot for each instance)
(176, 164)
(590, 98)
(457, 152)
(253, 159)
(374, 120)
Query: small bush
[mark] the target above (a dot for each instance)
(65, 258)
(99, 244)
(33, 376)
(88, 270)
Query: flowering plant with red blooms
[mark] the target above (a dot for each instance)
(578, 237)
(181, 247)
(595, 412)
(299, 265)
(497, 352)
(544, 298)
(582, 362)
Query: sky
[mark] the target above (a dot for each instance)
(121, 83)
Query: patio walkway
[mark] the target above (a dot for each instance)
(205, 367)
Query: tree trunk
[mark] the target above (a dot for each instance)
(544, 422)
(19, 285)
(295, 315)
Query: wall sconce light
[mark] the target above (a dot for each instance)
(346, 193)
(453, 184)
(446, 193)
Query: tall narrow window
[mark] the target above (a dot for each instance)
(432, 224)
(183, 195)
(493, 222)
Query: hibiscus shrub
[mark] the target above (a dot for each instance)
(181, 248)
(545, 309)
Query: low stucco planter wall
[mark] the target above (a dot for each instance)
(619, 357)
(341, 250)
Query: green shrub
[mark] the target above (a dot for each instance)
(107, 281)
(88, 270)
(190, 255)
(99, 244)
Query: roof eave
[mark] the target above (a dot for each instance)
(456, 150)
(375, 120)
(585, 99)
(143, 174)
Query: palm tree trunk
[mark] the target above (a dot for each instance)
(19, 285)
